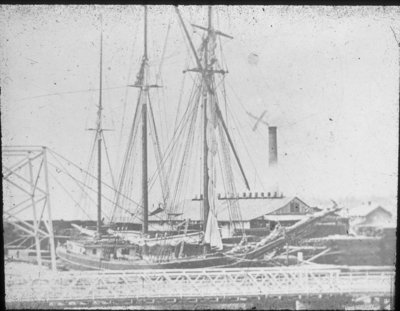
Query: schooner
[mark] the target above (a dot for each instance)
(121, 249)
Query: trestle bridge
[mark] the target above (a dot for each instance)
(197, 287)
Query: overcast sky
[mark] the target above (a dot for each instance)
(328, 78)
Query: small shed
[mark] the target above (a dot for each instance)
(369, 215)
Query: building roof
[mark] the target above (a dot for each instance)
(285, 217)
(249, 208)
(365, 210)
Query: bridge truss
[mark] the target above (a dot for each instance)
(136, 287)
(27, 196)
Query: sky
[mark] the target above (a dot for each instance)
(328, 78)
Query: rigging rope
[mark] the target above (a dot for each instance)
(161, 173)
(177, 115)
(70, 195)
(130, 71)
(93, 190)
(188, 145)
(89, 161)
(232, 205)
(128, 153)
(244, 145)
(78, 182)
(108, 161)
(54, 153)
(178, 132)
(158, 75)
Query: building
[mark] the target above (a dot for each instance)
(369, 216)
(257, 213)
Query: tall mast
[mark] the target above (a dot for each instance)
(99, 133)
(145, 194)
(206, 70)
(206, 177)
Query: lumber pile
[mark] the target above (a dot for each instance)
(281, 236)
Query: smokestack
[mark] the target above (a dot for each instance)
(273, 160)
(273, 146)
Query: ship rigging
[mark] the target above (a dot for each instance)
(132, 249)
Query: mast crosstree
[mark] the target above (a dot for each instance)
(99, 137)
(211, 110)
(142, 83)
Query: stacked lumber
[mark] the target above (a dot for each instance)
(281, 236)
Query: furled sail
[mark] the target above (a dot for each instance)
(212, 235)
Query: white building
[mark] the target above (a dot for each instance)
(369, 215)
(255, 212)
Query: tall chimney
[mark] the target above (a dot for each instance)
(273, 146)
(273, 160)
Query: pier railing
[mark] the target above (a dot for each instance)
(100, 285)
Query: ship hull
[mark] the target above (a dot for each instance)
(136, 237)
(83, 262)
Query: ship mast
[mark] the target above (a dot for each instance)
(144, 95)
(99, 134)
(206, 70)
(206, 180)
(143, 114)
